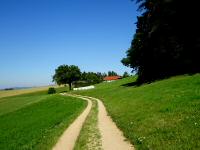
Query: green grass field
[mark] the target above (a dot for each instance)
(161, 115)
(36, 120)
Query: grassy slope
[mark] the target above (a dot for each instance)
(39, 124)
(161, 115)
(12, 103)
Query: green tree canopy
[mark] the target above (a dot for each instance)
(92, 77)
(126, 74)
(112, 73)
(65, 74)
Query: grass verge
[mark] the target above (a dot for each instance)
(89, 138)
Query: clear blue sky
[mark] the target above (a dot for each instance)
(36, 36)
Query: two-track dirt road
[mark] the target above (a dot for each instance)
(112, 138)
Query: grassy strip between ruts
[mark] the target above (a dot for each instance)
(161, 115)
(89, 138)
(39, 125)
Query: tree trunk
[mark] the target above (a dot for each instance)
(70, 86)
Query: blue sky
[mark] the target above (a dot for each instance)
(36, 36)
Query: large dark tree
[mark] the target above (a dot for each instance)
(65, 74)
(167, 40)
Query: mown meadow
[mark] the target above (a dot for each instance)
(36, 120)
(161, 115)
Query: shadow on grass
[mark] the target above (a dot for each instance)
(63, 91)
(130, 84)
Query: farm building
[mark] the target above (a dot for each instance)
(112, 78)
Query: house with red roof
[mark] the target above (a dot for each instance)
(112, 78)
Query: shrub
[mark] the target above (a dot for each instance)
(51, 90)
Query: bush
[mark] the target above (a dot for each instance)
(51, 90)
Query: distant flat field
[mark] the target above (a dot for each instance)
(5, 93)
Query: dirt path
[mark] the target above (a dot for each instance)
(112, 138)
(69, 137)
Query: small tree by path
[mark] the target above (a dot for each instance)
(65, 74)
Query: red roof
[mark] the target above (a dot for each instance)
(109, 78)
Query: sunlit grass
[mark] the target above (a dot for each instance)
(36, 120)
(161, 115)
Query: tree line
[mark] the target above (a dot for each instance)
(71, 74)
(167, 40)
